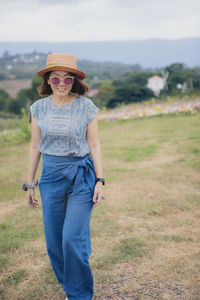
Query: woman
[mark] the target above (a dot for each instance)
(64, 130)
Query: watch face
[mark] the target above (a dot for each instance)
(101, 180)
(24, 187)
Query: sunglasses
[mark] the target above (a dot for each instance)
(67, 80)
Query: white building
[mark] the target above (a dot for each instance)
(156, 84)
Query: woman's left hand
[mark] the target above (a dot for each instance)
(98, 194)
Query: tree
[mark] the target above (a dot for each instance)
(24, 96)
(5, 100)
(179, 74)
(139, 78)
(175, 68)
(106, 91)
(32, 93)
(130, 93)
(20, 102)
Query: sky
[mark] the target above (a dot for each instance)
(97, 20)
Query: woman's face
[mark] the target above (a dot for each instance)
(61, 82)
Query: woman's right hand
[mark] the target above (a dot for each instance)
(30, 197)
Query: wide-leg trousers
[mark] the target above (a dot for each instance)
(66, 187)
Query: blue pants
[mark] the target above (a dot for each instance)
(66, 187)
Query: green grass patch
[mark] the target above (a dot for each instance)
(170, 238)
(102, 222)
(175, 238)
(104, 277)
(134, 152)
(4, 261)
(12, 137)
(130, 248)
(194, 164)
(15, 278)
(11, 123)
(194, 149)
(20, 228)
(21, 133)
(34, 293)
(127, 249)
(153, 209)
(194, 135)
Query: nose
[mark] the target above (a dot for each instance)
(61, 82)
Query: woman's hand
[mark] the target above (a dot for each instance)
(30, 197)
(98, 194)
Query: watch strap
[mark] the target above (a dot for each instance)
(101, 180)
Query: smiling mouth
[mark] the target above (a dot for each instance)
(61, 89)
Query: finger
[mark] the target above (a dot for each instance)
(32, 202)
(35, 202)
(95, 197)
(99, 197)
(97, 202)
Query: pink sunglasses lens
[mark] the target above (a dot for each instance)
(68, 80)
(55, 80)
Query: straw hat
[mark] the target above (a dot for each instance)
(61, 62)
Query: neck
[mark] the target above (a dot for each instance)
(60, 100)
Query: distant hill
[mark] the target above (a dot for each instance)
(152, 53)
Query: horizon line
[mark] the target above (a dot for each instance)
(103, 41)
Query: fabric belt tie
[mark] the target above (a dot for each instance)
(80, 170)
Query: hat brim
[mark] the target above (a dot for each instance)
(80, 73)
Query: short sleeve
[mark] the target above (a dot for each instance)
(35, 110)
(91, 111)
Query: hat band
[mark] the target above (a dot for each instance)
(50, 66)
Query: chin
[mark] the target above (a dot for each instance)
(65, 93)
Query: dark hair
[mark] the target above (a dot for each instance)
(79, 87)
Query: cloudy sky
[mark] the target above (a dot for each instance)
(98, 20)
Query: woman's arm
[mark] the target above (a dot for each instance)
(95, 152)
(34, 158)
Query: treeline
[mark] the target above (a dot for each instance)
(124, 86)
(23, 66)
(24, 98)
(132, 87)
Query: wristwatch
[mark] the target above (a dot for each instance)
(27, 185)
(101, 180)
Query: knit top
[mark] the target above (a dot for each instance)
(63, 128)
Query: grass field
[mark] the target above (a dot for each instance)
(145, 235)
(12, 87)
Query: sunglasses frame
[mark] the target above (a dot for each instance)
(68, 77)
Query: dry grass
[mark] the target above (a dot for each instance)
(145, 235)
